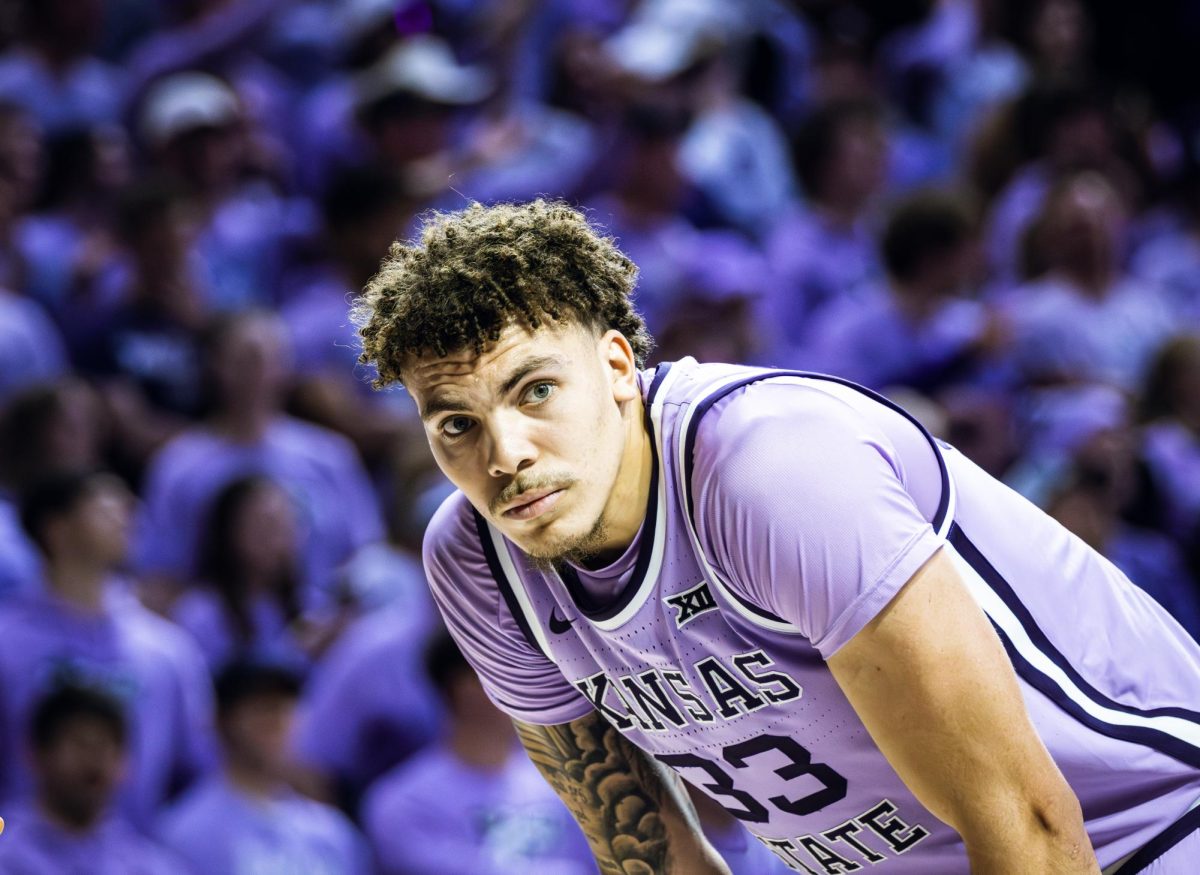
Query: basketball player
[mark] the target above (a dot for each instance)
(776, 585)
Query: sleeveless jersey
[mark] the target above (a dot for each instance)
(785, 511)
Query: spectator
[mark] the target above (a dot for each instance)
(825, 252)
(1171, 438)
(247, 603)
(1083, 318)
(407, 104)
(364, 210)
(31, 348)
(68, 246)
(733, 151)
(87, 627)
(152, 320)
(197, 131)
(79, 741)
(54, 74)
(44, 429)
(367, 706)
(1172, 259)
(246, 818)
(502, 816)
(1091, 502)
(1058, 129)
(922, 329)
(246, 432)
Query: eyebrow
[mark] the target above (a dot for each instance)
(526, 368)
(449, 404)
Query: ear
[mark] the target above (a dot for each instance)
(620, 364)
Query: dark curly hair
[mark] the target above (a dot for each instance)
(475, 272)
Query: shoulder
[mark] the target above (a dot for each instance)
(202, 806)
(408, 784)
(155, 636)
(310, 439)
(452, 532)
(318, 819)
(777, 424)
(184, 453)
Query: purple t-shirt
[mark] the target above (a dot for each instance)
(215, 828)
(493, 823)
(204, 614)
(814, 503)
(318, 468)
(142, 659)
(367, 705)
(32, 845)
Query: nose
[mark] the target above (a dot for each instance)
(510, 445)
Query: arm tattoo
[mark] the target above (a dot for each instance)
(616, 793)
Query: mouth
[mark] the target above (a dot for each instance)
(534, 504)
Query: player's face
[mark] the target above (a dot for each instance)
(537, 432)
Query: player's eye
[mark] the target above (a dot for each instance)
(456, 426)
(539, 392)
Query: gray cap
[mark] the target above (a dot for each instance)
(184, 102)
(425, 67)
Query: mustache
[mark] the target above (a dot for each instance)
(522, 484)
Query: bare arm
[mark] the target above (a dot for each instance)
(931, 681)
(634, 812)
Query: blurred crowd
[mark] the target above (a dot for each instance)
(217, 652)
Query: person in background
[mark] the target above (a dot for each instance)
(368, 705)
(1099, 500)
(921, 329)
(246, 817)
(501, 817)
(247, 601)
(248, 364)
(53, 72)
(68, 244)
(198, 132)
(45, 428)
(825, 250)
(85, 626)
(1082, 317)
(1171, 439)
(78, 745)
(364, 208)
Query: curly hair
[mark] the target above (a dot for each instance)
(473, 273)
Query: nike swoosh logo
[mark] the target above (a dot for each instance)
(559, 625)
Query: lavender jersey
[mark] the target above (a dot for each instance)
(785, 512)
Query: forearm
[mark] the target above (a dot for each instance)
(633, 812)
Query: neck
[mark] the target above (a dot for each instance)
(76, 823)
(840, 212)
(479, 745)
(246, 424)
(254, 782)
(626, 507)
(79, 583)
(1093, 280)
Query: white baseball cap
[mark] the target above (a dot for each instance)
(183, 102)
(424, 66)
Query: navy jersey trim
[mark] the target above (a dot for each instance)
(587, 604)
(502, 582)
(1161, 843)
(1160, 740)
(706, 404)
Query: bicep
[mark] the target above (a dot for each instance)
(933, 685)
